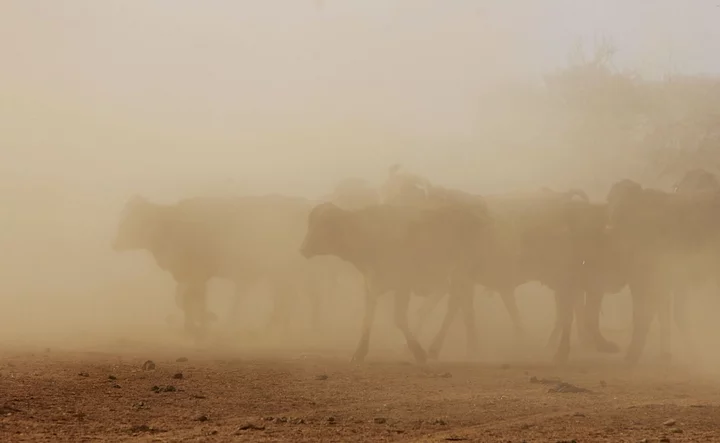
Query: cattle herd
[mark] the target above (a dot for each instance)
(411, 237)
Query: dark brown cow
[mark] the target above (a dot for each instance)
(669, 240)
(545, 236)
(403, 249)
(240, 239)
(545, 239)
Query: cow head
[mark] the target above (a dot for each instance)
(623, 197)
(324, 231)
(135, 226)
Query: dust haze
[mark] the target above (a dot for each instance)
(100, 101)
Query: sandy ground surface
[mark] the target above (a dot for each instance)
(195, 395)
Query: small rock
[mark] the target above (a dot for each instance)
(148, 365)
(112, 377)
(281, 420)
(644, 440)
(202, 418)
(213, 432)
(181, 359)
(169, 388)
(439, 422)
(445, 375)
(251, 427)
(664, 440)
(676, 431)
(297, 421)
(178, 376)
(269, 418)
(545, 381)
(380, 420)
(84, 374)
(331, 420)
(670, 422)
(564, 388)
(201, 397)
(156, 389)
(116, 386)
(455, 438)
(145, 428)
(321, 377)
(578, 414)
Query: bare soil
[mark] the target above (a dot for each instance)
(193, 395)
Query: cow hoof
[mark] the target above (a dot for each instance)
(417, 352)
(433, 354)
(607, 347)
(561, 357)
(358, 358)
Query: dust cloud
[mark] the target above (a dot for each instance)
(100, 101)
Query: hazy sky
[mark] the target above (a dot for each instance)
(164, 83)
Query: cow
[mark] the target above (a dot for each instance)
(404, 249)
(694, 274)
(565, 251)
(244, 240)
(669, 240)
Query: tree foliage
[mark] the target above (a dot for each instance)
(673, 122)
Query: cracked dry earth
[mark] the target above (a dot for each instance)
(49, 395)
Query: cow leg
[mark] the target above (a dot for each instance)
(584, 336)
(437, 343)
(508, 298)
(554, 338)
(565, 300)
(402, 303)
(429, 304)
(593, 304)
(663, 314)
(371, 297)
(681, 321)
(193, 297)
(204, 315)
(643, 313)
(467, 302)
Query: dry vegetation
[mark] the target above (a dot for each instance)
(77, 322)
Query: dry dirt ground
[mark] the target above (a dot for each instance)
(192, 395)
